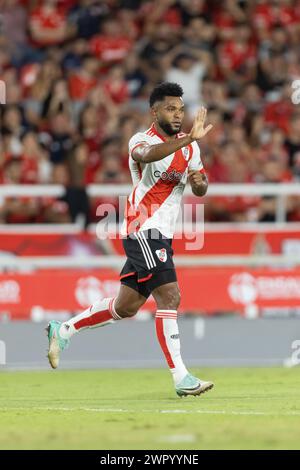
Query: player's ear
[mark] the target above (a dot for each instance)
(153, 112)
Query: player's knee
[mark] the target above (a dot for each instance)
(169, 298)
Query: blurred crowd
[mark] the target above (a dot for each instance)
(78, 76)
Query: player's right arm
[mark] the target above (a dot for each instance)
(146, 153)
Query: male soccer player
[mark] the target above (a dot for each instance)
(161, 159)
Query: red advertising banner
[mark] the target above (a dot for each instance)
(205, 290)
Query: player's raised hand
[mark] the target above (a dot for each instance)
(198, 130)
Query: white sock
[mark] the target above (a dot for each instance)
(168, 337)
(101, 313)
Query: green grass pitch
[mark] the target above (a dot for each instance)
(137, 409)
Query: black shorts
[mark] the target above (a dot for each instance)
(149, 261)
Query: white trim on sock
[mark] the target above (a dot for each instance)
(166, 311)
(113, 311)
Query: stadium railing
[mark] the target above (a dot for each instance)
(279, 191)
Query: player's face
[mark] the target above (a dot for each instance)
(169, 114)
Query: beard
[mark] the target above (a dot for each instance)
(168, 129)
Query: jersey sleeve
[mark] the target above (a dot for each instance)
(195, 163)
(137, 140)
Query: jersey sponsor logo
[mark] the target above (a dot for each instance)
(168, 175)
(162, 255)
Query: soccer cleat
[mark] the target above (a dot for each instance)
(56, 343)
(190, 385)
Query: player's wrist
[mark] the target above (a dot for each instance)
(190, 138)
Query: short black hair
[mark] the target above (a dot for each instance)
(164, 89)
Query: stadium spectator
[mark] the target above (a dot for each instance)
(48, 24)
(87, 16)
(189, 72)
(112, 44)
(83, 79)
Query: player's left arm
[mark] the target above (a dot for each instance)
(196, 173)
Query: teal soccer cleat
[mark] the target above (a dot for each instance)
(190, 385)
(56, 343)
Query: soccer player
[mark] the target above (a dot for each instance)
(161, 160)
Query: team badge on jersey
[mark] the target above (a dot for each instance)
(185, 153)
(162, 255)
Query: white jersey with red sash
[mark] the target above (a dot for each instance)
(158, 186)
